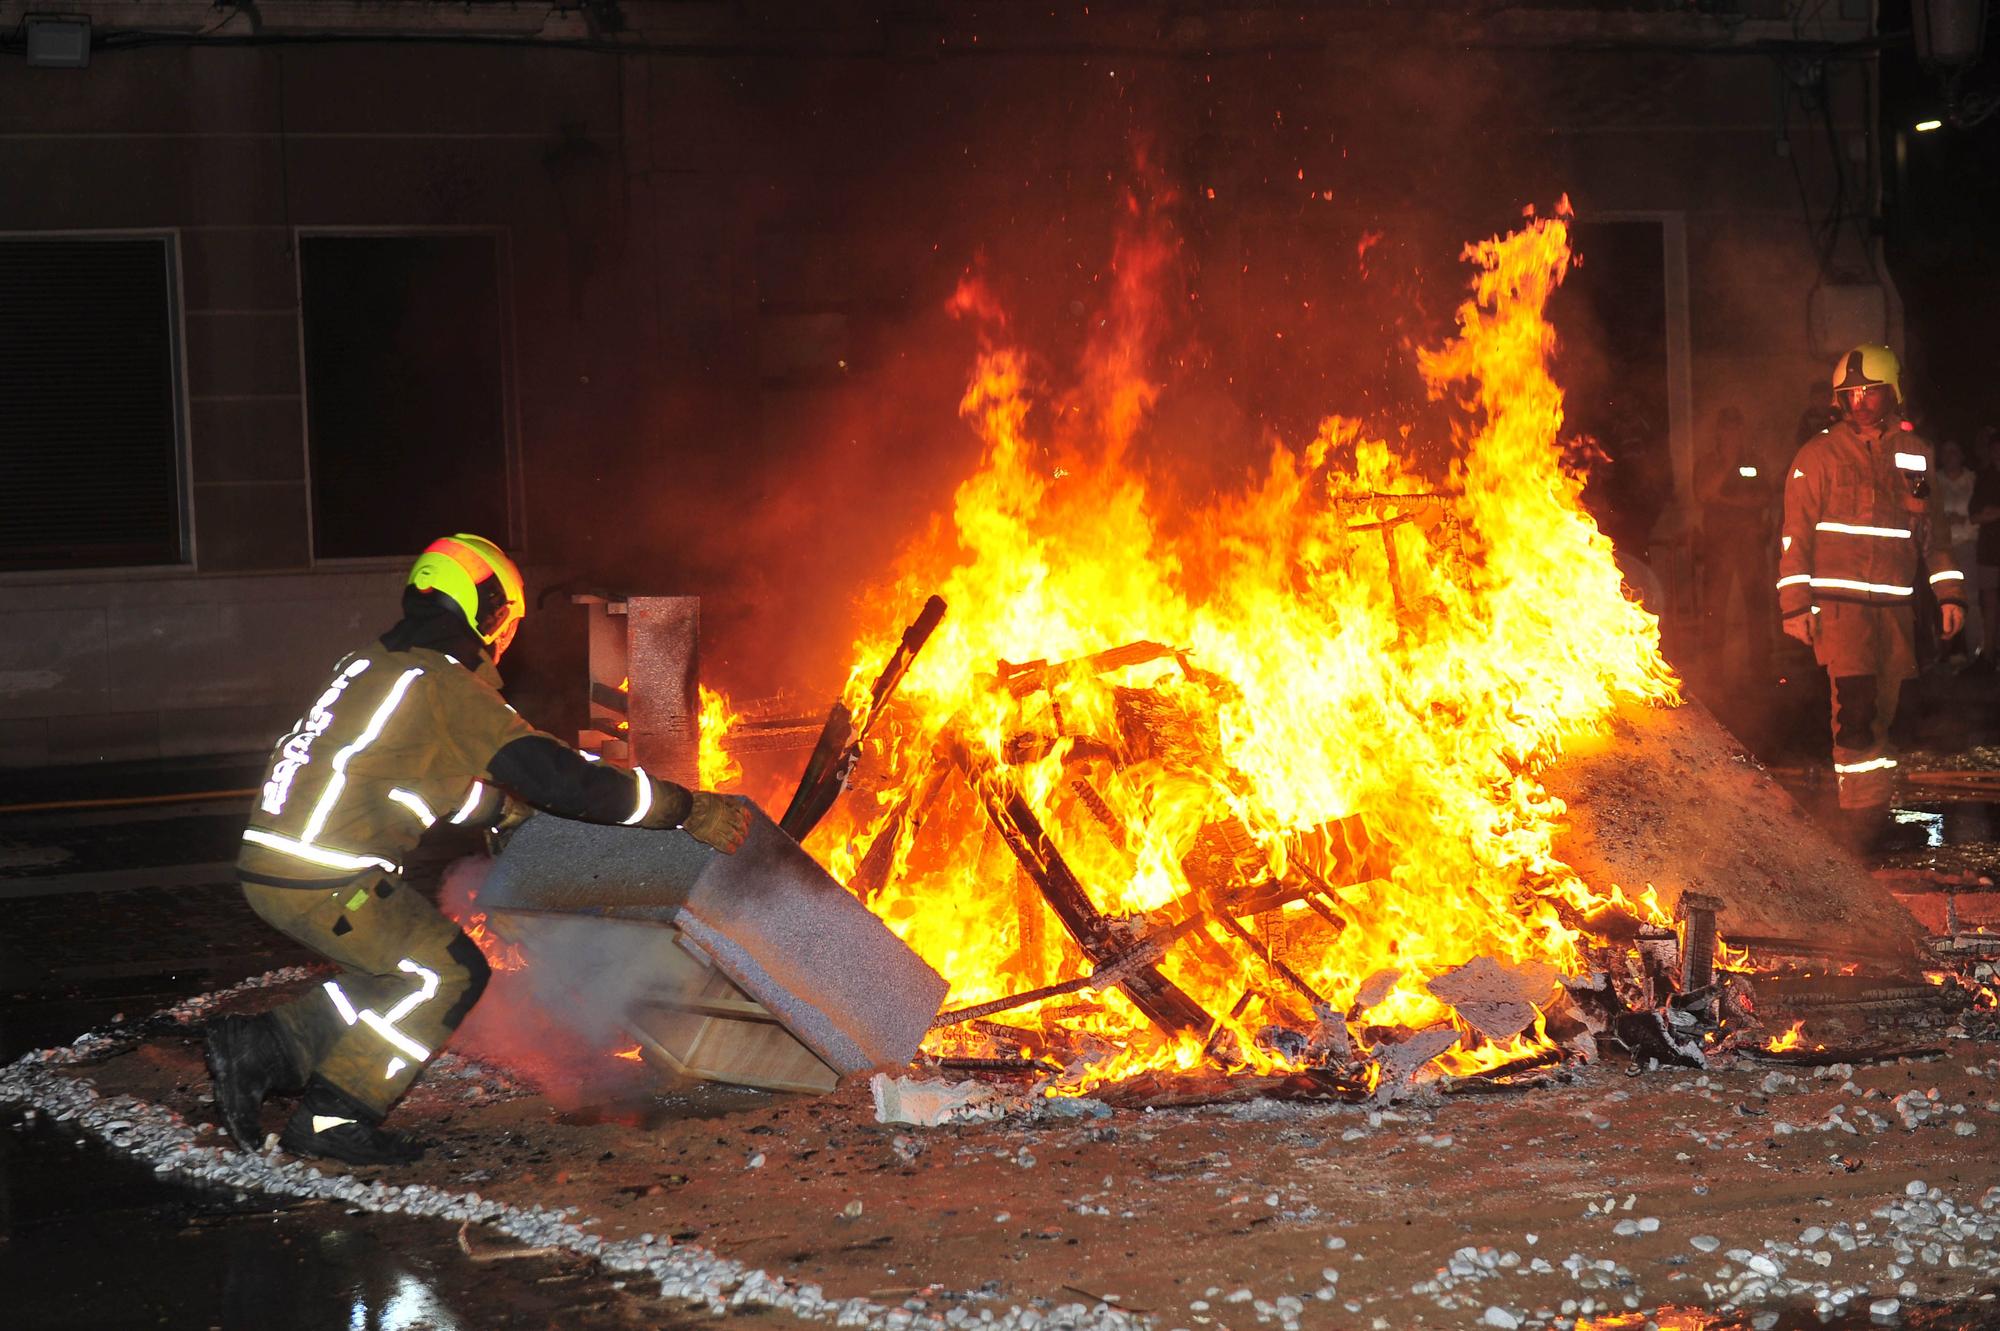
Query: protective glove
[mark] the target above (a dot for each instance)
(1951, 619)
(513, 813)
(1803, 627)
(716, 820)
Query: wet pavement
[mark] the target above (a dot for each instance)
(92, 1240)
(113, 913)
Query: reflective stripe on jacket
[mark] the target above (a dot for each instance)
(396, 742)
(1853, 531)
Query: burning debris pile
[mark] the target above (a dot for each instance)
(1257, 785)
(1326, 788)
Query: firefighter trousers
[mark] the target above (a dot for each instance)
(1868, 653)
(408, 978)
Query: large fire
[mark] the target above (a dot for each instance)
(1288, 738)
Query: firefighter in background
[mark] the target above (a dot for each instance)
(1739, 502)
(410, 733)
(1860, 527)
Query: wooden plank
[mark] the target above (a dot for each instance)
(760, 1054)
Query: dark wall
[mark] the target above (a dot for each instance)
(731, 371)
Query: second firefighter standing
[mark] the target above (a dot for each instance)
(1861, 524)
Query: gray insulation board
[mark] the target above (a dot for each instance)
(769, 916)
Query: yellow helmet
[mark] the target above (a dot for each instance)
(1867, 366)
(478, 576)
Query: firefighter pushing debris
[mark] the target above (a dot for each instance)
(410, 732)
(1860, 525)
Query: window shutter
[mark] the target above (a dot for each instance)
(90, 471)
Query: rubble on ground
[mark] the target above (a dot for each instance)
(1748, 1187)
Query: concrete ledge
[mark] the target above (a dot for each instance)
(156, 664)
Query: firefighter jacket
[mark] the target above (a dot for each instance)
(405, 738)
(1861, 524)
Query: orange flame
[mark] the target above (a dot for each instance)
(500, 954)
(1983, 995)
(1791, 1039)
(718, 767)
(631, 1055)
(1355, 640)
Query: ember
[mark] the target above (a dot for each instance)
(1271, 761)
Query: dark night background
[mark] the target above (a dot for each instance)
(1940, 209)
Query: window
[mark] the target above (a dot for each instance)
(404, 390)
(90, 435)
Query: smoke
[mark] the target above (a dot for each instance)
(555, 1009)
(1309, 206)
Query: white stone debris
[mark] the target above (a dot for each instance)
(930, 1103)
(164, 1139)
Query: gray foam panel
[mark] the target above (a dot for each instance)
(768, 916)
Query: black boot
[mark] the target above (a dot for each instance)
(247, 1060)
(331, 1123)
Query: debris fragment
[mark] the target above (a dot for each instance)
(1496, 998)
(931, 1104)
(1401, 1062)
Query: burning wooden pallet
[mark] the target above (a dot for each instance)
(1713, 823)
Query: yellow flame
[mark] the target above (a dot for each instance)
(1790, 1040)
(1365, 662)
(718, 768)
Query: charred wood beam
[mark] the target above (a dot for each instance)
(1321, 909)
(1270, 958)
(1820, 950)
(1869, 1011)
(872, 874)
(1165, 1004)
(1023, 679)
(1910, 881)
(1212, 1047)
(1834, 990)
(825, 775)
(1826, 1058)
(1500, 1073)
(1697, 913)
(1143, 955)
(1087, 795)
(839, 746)
(1972, 782)
(1003, 1067)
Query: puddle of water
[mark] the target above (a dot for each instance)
(90, 1239)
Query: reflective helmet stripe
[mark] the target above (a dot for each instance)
(465, 557)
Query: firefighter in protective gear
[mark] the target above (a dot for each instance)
(1860, 527)
(1739, 509)
(409, 734)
